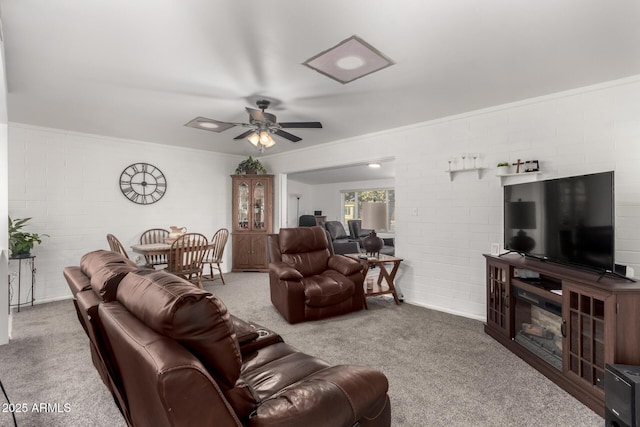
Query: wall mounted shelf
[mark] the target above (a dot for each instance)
(452, 173)
(516, 178)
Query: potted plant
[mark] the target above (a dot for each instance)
(250, 166)
(503, 168)
(21, 242)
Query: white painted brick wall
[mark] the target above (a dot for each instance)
(68, 183)
(583, 131)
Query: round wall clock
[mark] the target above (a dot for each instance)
(143, 183)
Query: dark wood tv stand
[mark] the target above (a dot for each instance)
(597, 324)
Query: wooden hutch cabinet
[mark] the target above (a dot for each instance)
(568, 323)
(252, 221)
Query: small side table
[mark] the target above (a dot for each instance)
(379, 288)
(31, 261)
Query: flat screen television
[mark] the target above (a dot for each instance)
(565, 220)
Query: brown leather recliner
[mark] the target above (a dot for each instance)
(174, 356)
(306, 281)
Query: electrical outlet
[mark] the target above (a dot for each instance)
(414, 211)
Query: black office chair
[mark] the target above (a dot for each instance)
(307, 221)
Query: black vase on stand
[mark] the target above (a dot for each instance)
(372, 244)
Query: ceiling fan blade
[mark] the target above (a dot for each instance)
(256, 115)
(287, 135)
(210, 124)
(245, 134)
(301, 125)
(261, 116)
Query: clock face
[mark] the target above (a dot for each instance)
(143, 183)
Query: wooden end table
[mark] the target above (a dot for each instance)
(379, 288)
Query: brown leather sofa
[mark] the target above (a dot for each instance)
(173, 356)
(306, 281)
(340, 242)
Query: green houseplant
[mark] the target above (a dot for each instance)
(503, 168)
(250, 166)
(21, 242)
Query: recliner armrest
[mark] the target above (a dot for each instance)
(284, 271)
(344, 265)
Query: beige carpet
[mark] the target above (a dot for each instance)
(442, 369)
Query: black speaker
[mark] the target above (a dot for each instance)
(622, 396)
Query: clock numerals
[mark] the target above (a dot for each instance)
(143, 183)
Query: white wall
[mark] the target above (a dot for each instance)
(5, 329)
(295, 208)
(68, 183)
(582, 131)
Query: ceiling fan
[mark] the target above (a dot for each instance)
(262, 125)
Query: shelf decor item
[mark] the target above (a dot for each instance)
(21, 242)
(531, 166)
(374, 216)
(503, 168)
(250, 166)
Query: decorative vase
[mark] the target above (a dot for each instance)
(372, 243)
(175, 233)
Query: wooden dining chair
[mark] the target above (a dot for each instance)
(186, 255)
(116, 246)
(215, 252)
(154, 235)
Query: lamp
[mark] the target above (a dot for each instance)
(521, 215)
(297, 196)
(261, 137)
(374, 216)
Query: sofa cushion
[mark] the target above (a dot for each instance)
(105, 270)
(326, 289)
(176, 308)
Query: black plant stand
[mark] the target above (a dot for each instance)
(31, 261)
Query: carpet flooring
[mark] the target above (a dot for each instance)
(443, 370)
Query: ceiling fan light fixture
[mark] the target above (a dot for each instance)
(266, 139)
(254, 139)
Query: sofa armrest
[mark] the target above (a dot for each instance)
(345, 266)
(346, 247)
(284, 271)
(245, 332)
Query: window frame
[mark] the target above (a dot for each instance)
(345, 209)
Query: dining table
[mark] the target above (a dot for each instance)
(156, 248)
(152, 248)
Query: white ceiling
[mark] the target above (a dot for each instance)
(142, 69)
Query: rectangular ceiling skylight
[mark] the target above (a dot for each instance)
(349, 60)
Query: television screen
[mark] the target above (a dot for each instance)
(567, 220)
